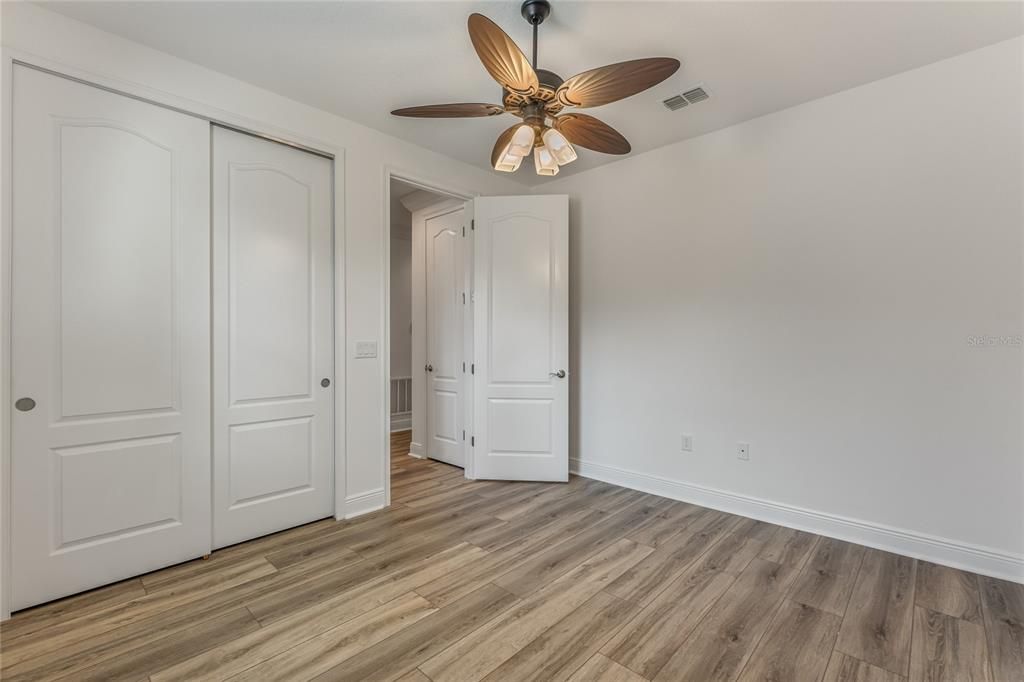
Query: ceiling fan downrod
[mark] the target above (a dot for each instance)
(535, 12)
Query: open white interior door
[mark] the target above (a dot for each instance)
(446, 300)
(521, 338)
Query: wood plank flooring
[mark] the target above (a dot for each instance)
(586, 582)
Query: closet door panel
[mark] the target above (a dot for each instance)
(273, 337)
(116, 271)
(271, 288)
(110, 337)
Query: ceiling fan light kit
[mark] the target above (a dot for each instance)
(538, 96)
(559, 147)
(544, 162)
(522, 141)
(509, 163)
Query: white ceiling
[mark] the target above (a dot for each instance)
(360, 60)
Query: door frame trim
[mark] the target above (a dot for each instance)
(430, 185)
(8, 59)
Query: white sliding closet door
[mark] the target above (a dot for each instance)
(273, 357)
(110, 338)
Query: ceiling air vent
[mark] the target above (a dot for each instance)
(692, 96)
(698, 94)
(675, 102)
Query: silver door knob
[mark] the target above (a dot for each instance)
(560, 374)
(24, 404)
(429, 368)
(325, 382)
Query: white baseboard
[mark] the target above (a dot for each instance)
(364, 503)
(417, 450)
(983, 560)
(401, 422)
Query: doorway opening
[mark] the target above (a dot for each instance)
(426, 318)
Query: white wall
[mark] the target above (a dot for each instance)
(68, 45)
(401, 307)
(401, 289)
(810, 282)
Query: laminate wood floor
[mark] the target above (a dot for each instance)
(463, 580)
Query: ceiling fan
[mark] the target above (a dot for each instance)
(538, 97)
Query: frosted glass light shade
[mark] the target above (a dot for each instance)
(522, 141)
(559, 147)
(509, 163)
(518, 147)
(544, 162)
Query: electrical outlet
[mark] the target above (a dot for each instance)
(687, 443)
(743, 451)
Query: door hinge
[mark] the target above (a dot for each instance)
(472, 441)
(463, 434)
(472, 224)
(463, 230)
(463, 298)
(472, 368)
(463, 368)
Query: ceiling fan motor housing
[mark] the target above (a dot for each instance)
(549, 82)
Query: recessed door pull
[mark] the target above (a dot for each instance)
(25, 404)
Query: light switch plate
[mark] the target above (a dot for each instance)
(366, 349)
